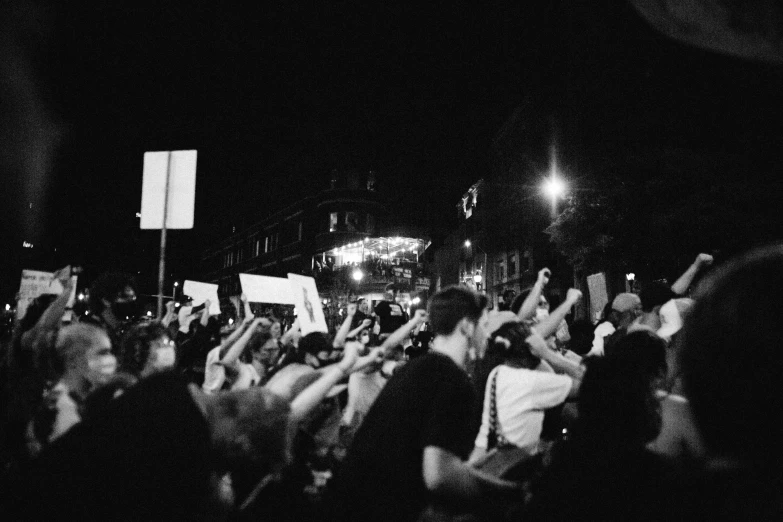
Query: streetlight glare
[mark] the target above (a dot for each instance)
(554, 187)
(358, 275)
(467, 243)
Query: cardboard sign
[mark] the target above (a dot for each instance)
(182, 189)
(35, 283)
(200, 292)
(596, 285)
(264, 289)
(308, 304)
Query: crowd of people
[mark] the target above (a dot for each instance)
(663, 409)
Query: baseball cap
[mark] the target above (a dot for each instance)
(626, 302)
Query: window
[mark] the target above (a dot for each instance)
(500, 269)
(370, 228)
(299, 234)
(257, 248)
(351, 222)
(333, 222)
(512, 264)
(266, 244)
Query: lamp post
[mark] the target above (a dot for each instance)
(174, 291)
(478, 275)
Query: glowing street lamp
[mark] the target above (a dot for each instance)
(358, 275)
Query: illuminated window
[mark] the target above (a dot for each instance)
(333, 222)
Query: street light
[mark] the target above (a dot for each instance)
(477, 277)
(554, 187)
(358, 275)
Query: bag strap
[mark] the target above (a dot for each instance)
(495, 436)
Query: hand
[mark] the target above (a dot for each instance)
(207, 304)
(366, 323)
(538, 345)
(573, 295)
(243, 298)
(703, 260)
(420, 316)
(543, 276)
(374, 357)
(350, 356)
(351, 309)
(170, 307)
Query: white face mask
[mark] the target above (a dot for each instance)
(104, 365)
(165, 357)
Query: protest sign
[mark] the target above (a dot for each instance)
(264, 289)
(200, 292)
(181, 189)
(308, 304)
(35, 283)
(596, 285)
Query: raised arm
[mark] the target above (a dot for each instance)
(365, 324)
(171, 314)
(235, 336)
(540, 348)
(548, 326)
(400, 334)
(342, 333)
(528, 308)
(291, 333)
(205, 313)
(684, 282)
(311, 396)
(246, 306)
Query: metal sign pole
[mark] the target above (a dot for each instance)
(162, 262)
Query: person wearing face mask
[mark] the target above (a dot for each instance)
(113, 304)
(147, 348)
(84, 356)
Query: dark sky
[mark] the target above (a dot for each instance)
(276, 96)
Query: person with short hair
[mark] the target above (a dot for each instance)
(113, 304)
(626, 307)
(416, 438)
(146, 348)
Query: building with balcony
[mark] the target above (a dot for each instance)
(343, 236)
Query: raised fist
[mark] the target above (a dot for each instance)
(351, 309)
(704, 260)
(420, 316)
(543, 276)
(573, 295)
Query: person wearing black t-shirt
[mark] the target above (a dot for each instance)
(418, 433)
(390, 314)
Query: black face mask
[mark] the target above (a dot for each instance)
(125, 310)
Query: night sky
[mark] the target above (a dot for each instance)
(275, 97)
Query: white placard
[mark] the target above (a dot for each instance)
(182, 189)
(265, 289)
(35, 283)
(308, 304)
(200, 292)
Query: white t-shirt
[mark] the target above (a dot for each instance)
(522, 395)
(215, 374)
(363, 389)
(602, 330)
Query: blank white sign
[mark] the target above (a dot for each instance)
(265, 289)
(182, 189)
(200, 292)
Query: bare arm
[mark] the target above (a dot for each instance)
(684, 282)
(170, 314)
(548, 326)
(290, 334)
(365, 324)
(445, 473)
(205, 313)
(342, 333)
(531, 301)
(400, 334)
(560, 364)
(236, 348)
(311, 396)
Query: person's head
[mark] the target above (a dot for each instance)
(146, 348)
(315, 345)
(626, 307)
(618, 408)
(654, 295)
(250, 430)
(259, 349)
(459, 310)
(276, 329)
(364, 336)
(542, 307)
(390, 292)
(114, 292)
(581, 332)
(84, 353)
(363, 306)
(508, 342)
(732, 360)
